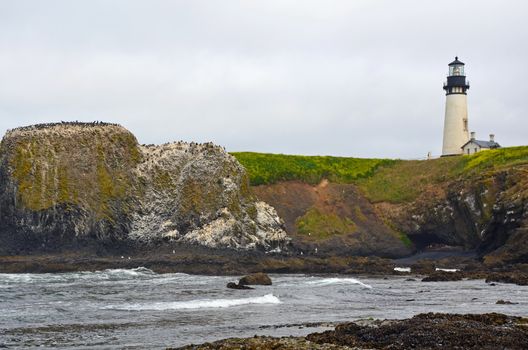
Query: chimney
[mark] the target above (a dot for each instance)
(472, 136)
(492, 137)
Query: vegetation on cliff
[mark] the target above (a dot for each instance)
(76, 181)
(265, 168)
(73, 183)
(393, 181)
(71, 164)
(405, 180)
(475, 202)
(318, 225)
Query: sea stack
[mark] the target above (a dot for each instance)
(80, 185)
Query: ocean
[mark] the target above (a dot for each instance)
(137, 308)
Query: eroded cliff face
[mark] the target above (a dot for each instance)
(484, 211)
(74, 184)
(334, 219)
(488, 213)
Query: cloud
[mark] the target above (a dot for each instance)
(356, 78)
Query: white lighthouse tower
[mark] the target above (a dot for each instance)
(456, 132)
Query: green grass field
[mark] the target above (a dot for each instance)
(264, 168)
(388, 180)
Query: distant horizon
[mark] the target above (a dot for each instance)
(342, 78)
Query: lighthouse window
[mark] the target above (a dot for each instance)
(456, 70)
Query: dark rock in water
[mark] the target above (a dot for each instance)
(518, 278)
(410, 280)
(432, 331)
(505, 302)
(425, 331)
(424, 267)
(258, 278)
(442, 276)
(262, 343)
(233, 285)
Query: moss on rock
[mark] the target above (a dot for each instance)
(93, 180)
(321, 226)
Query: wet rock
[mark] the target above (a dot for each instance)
(233, 285)
(441, 276)
(425, 331)
(433, 331)
(263, 343)
(258, 278)
(505, 302)
(423, 267)
(518, 278)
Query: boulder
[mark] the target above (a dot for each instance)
(233, 285)
(518, 278)
(441, 276)
(258, 278)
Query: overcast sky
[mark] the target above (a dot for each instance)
(350, 78)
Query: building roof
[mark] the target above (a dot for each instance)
(456, 61)
(483, 144)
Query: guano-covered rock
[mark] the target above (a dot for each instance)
(71, 184)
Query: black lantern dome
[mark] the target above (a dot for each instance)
(456, 79)
(456, 62)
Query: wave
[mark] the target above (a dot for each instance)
(335, 280)
(137, 272)
(72, 277)
(402, 269)
(197, 304)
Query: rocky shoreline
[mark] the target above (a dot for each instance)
(204, 261)
(423, 331)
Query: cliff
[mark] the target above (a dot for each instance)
(70, 185)
(393, 208)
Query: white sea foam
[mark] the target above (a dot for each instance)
(402, 269)
(335, 280)
(138, 271)
(446, 270)
(16, 277)
(196, 304)
(72, 277)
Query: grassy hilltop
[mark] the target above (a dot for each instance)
(388, 180)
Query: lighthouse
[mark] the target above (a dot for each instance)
(456, 132)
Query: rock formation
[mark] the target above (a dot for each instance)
(72, 184)
(254, 279)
